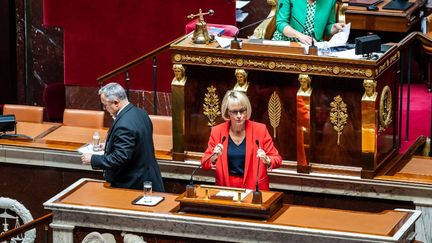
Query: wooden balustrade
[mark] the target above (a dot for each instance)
(44, 220)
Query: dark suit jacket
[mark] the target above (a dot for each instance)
(129, 152)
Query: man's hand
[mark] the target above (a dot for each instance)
(86, 159)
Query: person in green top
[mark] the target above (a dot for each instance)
(302, 20)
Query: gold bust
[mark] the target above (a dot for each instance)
(179, 74)
(369, 86)
(305, 82)
(242, 83)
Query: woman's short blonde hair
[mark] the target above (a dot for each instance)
(233, 97)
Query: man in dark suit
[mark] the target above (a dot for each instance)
(129, 158)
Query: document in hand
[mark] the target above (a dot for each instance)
(88, 149)
(338, 39)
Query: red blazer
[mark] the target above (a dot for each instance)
(254, 131)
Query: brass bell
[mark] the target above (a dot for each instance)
(200, 34)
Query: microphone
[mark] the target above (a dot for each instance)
(235, 44)
(190, 189)
(257, 195)
(312, 48)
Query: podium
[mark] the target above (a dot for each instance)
(327, 114)
(89, 205)
(207, 201)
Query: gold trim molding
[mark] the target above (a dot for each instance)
(388, 63)
(272, 65)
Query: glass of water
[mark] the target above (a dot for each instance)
(147, 191)
(325, 49)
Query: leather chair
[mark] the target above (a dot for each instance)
(24, 113)
(266, 29)
(83, 118)
(162, 132)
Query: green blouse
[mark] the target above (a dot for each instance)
(294, 13)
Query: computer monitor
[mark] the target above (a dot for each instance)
(7, 123)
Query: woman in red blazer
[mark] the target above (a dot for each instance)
(236, 146)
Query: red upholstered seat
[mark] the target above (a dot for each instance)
(229, 30)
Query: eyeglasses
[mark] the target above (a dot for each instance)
(235, 112)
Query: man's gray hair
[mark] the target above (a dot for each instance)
(113, 92)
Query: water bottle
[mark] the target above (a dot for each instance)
(95, 141)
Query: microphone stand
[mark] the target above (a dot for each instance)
(313, 49)
(236, 43)
(190, 188)
(257, 195)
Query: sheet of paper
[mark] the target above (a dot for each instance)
(241, 4)
(154, 201)
(338, 39)
(88, 149)
(276, 42)
(224, 42)
(234, 195)
(348, 54)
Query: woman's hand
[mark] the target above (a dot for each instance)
(305, 39)
(337, 27)
(262, 155)
(290, 32)
(217, 151)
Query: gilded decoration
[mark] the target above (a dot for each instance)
(274, 111)
(242, 83)
(342, 8)
(305, 84)
(211, 106)
(177, 57)
(385, 109)
(239, 62)
(179, 75)
(388, 63)
(338, 115)
(208, 60)
(336, 70)
(272, 65)
(370, 87)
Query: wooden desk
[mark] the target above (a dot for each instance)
(384, 20)
(88, 204)
(53, 136)
(60, 168)
(74, 135)
(70, 138)
(418, 169)
(306, 127)
(36, 130)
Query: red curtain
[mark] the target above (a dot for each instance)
(101, 35)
